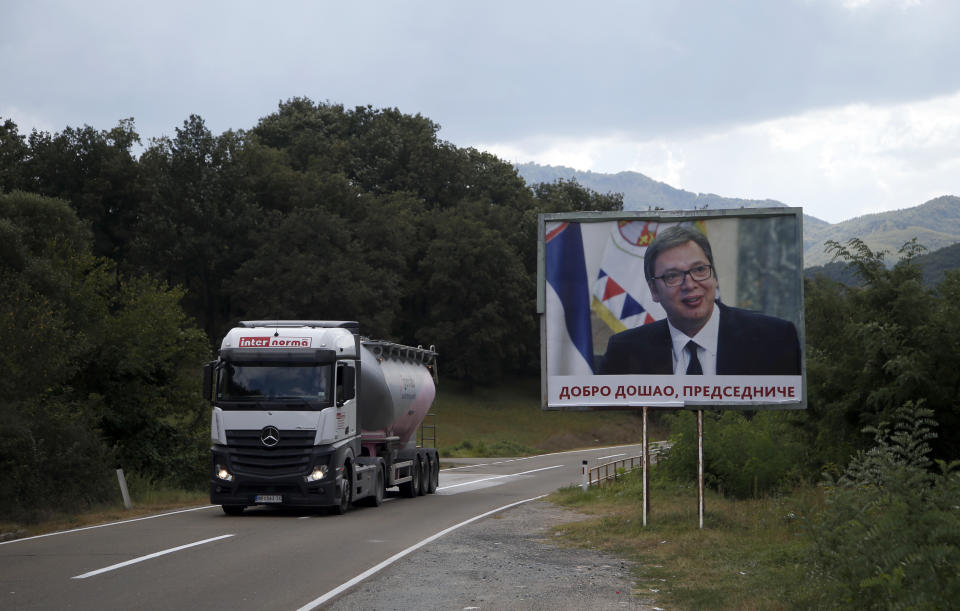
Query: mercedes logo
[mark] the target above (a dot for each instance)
(270, 436)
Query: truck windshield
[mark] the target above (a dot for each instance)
(294, 383)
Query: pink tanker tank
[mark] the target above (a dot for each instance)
(396, 390)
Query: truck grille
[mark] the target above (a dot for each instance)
(291, 456)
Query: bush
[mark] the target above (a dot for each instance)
(889, 536)
(51, 459)
(743, 456)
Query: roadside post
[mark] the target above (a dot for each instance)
(585, 477)
(123, 489)
(646, 468)
(700, 465)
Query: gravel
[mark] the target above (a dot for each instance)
(504, 561)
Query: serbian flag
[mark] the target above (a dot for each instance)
(569, 335)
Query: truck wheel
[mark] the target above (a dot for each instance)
(434, 462)
(425, 475)
(346, 487)
(377, 499)
(412, 488)
(233, 510)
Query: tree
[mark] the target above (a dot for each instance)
(13, 153)
(201, 222)
(97, 173)
(94, 364)
(315, 263)
(873, 348)
(481, 297)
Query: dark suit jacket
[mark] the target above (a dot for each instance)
(748, 343)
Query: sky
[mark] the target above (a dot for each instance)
(843, 107)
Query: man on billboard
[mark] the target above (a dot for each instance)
(700, 335)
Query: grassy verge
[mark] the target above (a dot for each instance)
(147, 499)
(749, 555)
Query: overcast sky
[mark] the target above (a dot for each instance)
(844, 107)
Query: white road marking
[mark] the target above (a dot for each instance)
(313, 604)
(73, 530)
(113, 567)
(611, 456)
(486, 479)
(629, 445)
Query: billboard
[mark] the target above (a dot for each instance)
(672, 309)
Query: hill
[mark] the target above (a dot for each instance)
(640, 192)
(933, 265)
(935, 224)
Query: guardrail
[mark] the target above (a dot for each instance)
(612, 470)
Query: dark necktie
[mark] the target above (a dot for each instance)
(693, 366)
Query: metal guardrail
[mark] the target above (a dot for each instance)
(611, 471)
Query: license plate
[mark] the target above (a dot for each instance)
(268, 498)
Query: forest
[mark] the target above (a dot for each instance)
(124, 261)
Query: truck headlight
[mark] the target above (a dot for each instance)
(319, 472)
(221, 472)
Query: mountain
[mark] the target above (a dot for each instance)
(639, 192)
(933, 265)
(935, 224)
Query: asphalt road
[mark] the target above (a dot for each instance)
(267, 558)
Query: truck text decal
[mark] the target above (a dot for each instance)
(275, 342)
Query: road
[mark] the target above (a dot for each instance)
(267, 558)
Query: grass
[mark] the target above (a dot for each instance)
(146, 499)
(749, 555)
(507, 420)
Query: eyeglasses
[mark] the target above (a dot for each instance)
(676, 278)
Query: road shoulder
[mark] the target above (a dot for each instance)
(505, 561)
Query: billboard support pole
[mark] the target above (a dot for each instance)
(646, 468)
(700, 465)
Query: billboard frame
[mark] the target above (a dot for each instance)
(671, 216)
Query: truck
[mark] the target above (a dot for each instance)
(308, 413)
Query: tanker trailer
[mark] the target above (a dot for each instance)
(311, 414)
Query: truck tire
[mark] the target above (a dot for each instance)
(412, 488)
(233, 510)
(434, 462)
(346, 489)
(376, 499)
(424, 475)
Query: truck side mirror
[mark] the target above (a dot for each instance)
(208, 372)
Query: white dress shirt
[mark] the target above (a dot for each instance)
(706, 341)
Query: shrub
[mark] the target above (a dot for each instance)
(744, 455)
(889, 536)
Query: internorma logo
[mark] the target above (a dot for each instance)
(275, 342)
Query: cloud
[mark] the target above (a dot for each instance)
(837, 163)
(796, 98)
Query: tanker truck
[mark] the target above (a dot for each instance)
(307, 413)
